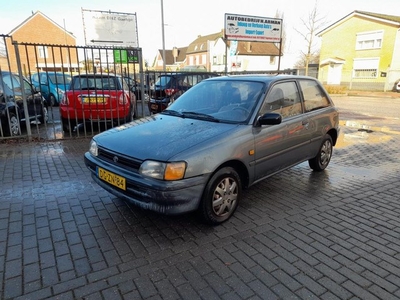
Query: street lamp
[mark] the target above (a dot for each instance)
(163, 37)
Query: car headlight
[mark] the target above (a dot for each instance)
(94, 150)
(163, 171)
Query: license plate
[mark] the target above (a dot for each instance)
(91, 100)
(112, 178)
(154, 106)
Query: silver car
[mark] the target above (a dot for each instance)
(222, 135)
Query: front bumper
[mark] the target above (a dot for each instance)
(166, 197)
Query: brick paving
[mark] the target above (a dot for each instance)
(297, 235)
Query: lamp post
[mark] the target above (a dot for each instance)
(163, 37)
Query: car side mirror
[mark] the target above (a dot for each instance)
(269, 119)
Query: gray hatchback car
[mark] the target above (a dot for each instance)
(223, 135)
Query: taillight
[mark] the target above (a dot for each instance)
(123, 98)
(64, 100)
(170, 92)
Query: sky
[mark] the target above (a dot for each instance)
(184, 20)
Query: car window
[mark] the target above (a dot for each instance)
(100, 83)
(35, 77)
(283, 98)
(313, 95)
(43, 78)
(163, 81)
(11, 82)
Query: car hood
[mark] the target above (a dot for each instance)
(160, 137)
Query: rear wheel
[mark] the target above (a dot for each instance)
(322, 159)
(68, 125)
(53, 101)
(14, 127)
(221, 196)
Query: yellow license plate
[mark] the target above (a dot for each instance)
(112, 178)
(94, 100)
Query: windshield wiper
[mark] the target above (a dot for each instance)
(172, 113)
(192, 114)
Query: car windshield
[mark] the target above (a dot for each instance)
(97, 83)
(60, 78)
(163, 81)
(13, 83)
(226, 101)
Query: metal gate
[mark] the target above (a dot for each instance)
(34, 77)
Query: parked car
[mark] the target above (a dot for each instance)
(97, 98)
(222, 135)
(52, 85)
(169, 87)
(397, 86)
(12, 112)
(135, 87)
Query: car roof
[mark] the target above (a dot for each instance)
(265, 78)
(96, 75)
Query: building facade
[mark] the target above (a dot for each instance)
(361, 52)
(39, 32)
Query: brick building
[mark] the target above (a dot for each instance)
(46, 46)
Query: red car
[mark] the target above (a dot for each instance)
(97, 98)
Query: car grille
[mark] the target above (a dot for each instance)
(117, 159)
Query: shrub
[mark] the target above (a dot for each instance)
(336, 89)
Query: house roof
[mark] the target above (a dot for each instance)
(244, 48)
(169, 57)
(35, 15)
(256, 48)
(394, 20)
(201, 43)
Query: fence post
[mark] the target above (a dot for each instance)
(24, 99)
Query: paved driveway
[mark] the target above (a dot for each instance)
(297, 235)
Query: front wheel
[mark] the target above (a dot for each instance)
(14, 127)
(322, 159)
(221, 196)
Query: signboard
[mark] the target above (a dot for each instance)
(249, 28)
(110, 28)
(126, 56)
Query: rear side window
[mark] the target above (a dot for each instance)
(314, 96)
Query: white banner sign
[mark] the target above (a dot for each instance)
(110, 29)
(249, 28)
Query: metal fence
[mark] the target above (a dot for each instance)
(33, 82)
(34, 78)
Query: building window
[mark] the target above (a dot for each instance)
(204, 59)
(365, 68)
(365, 73)
(43, 52)
(369, 40)
(272, 60)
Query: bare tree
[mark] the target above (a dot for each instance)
(311, 25)
(280, 15)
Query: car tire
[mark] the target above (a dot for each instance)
(13, 127)
(44, 118)
(322, 159)
(68, 126)
(52, 100)
(221, 196)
